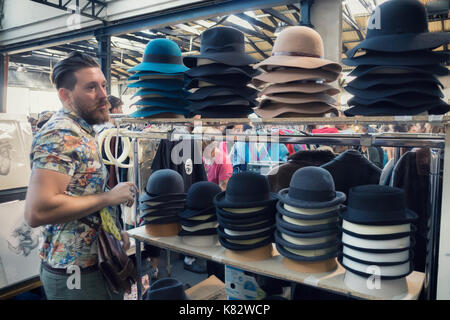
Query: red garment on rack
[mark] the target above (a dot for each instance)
(325, 130)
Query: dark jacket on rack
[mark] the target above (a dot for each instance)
(412, 174)
(351, 169)
(280, 177)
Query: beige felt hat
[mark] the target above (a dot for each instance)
(292, 74)
(297, 98)
(299, 47)
(278, 109)
(299, 87)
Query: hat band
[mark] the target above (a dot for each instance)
(163, 58)
(311, 195)
(231, 47)
(296, 54)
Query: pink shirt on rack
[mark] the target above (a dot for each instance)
(221, 168)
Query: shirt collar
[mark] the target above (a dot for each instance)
(83, 124)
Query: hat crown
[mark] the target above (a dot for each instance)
(247, 187)
(311, 179)
(376, 198)
(222, 39)
(397, 17)
(165, 181)
(201, 194)
(165, 47)
(299, 40)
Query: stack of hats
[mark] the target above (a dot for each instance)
(377, 235)
(246, 216)
(199, 220)
(162, 201)
(397, 73)
(221, 73)
(294, 84)
(308, 220)
(160, 79)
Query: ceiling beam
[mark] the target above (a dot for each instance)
(256, 22)
(279, 16)
(95, 7)
(249, 32)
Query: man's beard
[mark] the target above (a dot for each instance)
(97, 116)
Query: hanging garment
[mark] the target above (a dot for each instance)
(411, 173)
(184, 156)
(351, 169)
(386, 174)
(280, 177)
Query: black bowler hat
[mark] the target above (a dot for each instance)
(246, 221)
(391, 109)
(246, 227)
(218, 91)
(164, 185)
(406, 100)
(222, 102)
(221, 69)
(400, 26)
(295, 215)
(383, 91)
(377, 205)
(287, 244)
(246, 190)
(240, 247)
(264, 213)
(229, 80)
(313, 188)
(224, 45)
(375, 80)
(166, 289)
(162, 205)
(301, 228)
(436, 69)
(398, 59)
(296, 257)
(199, 198)
(265, 233)
(228, 112)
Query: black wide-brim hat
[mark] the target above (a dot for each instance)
(266, 233)
(398, 59)
(425, 88)
(230, 80)
(405, 100)
(295, 215)
(190, 212)
(228, 112)
(372, 80)
(221, 69)
(287, 244)
(299, 228)
(221, 102)
(400, 26)
(218, 91)
(162, 198)
(436, 69)
(241, 247)
(366, 267)
(290, 255)
(390, 109)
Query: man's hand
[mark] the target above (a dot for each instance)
(125, 240)
(123, 193)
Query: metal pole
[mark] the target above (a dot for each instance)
(139, 269)
(138, 243)
(433, 233)
(104, 54)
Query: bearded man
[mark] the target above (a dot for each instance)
(68, 183)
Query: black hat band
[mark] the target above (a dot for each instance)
(163, 58)
(231, 47)
(311, 195)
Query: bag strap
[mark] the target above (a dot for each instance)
(89, 223)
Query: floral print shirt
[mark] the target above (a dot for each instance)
(67, 144)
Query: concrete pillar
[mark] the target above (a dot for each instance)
(4, 64)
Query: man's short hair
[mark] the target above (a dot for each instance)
(63, 72)
(114, 102)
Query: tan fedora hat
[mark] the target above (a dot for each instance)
(312, 109)
(292, 74)
(296, 98)
(299, 87)
(299, 47)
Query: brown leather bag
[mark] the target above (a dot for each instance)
(116, 267)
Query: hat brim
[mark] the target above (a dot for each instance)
(241, 247)
(390, 236)
(234, 59)
(162, 220)
(436, 69)
(275, 110)
(395, 59)
(298, 62)
(224, 80)
(325, 215)
(300, 87)
(297, 98)
(163, 103)
(402, 42)
(228, 112)
(143, 75)
(221, 69)
(299, 228)
(203, 232)
(286, 244)
(423, 88)
(221, 232)
(191, 212)
(295, 257)
(158, 84)
(151, 93)
(236, 227)
(220, 91)
(221, 202)
(371, 80)
(284, 198)
(164, 205)
(221, 102)
(382, 109)
(307, 235)
(406, 100)
(267, 211)
(290, 75)
(374, 262)
(409, 216)
(162, 198)
(161, 213)
(159, 67)
(194, 223)
(237, 220)
(153, 111)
